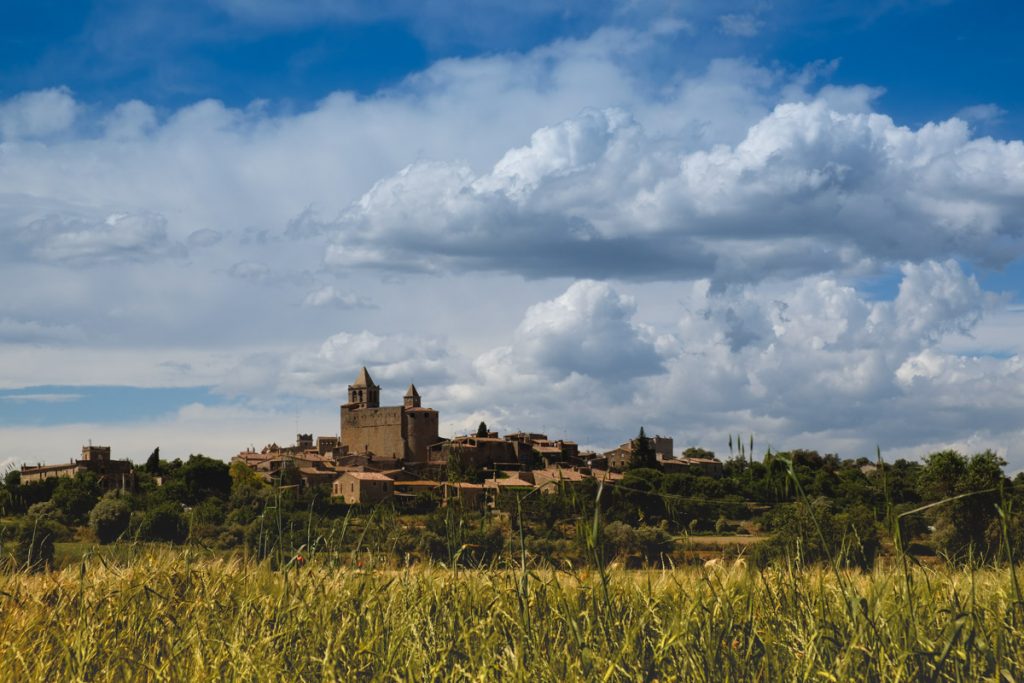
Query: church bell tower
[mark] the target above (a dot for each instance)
(363, 393)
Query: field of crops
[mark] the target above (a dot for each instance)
(173, 616)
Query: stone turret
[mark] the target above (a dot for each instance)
(412, 397)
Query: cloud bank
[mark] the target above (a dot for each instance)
(550, 239)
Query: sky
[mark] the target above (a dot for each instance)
(793, 220)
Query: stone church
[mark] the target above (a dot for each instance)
(403, 432)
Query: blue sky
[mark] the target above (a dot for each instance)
(795, 219)
(934, 58)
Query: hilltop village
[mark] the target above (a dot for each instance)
(464, 498)
(386, 451)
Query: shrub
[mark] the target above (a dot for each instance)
(654, 542)
(165, 522)
(109, 518)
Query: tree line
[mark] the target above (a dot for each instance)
(813, 507)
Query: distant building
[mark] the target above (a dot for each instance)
(621, 457)
(363, 488)
(112, 474)
(709, 467)
(404, 433)
(481, 451)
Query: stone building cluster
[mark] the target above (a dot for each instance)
(112, 474)
(395, 451)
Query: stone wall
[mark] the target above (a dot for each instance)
(421, 430)
(378, 430)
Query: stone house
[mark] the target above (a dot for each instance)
(112, 474)
(363, 488)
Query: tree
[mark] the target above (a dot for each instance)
(643, 452)
(964, 526)
(249, 493)
(153, 461)
(204, 477)
(941, 474)
(109, 518)
(74, 497)
(165, 522)
(481, 431)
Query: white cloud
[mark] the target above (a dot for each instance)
(811, 363)
(37, 114)
(81, 241)
(588, 330)
(982, 113)
(325, 372)
(595, 194)
(740, 202)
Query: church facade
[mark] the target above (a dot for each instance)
(404, 432)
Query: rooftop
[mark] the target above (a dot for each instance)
(363, 379)
(368, 476)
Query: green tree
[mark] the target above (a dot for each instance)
(249, 493)
(204, 477)
(165, 522)
(963, 526)
(481, 431)
(941, 475)
(75, 497)
(643, 452)
(153, 461)
(109, 518)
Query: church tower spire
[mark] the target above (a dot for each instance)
(412, 397)
(363, 393)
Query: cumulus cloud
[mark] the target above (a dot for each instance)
(802, 363)
(807, 188)
(749, 195)
(37, 114)
(588, 330)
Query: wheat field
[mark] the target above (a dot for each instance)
(172, 615)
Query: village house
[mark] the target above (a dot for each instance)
(621, 457)
(363, 488)
(470, 496)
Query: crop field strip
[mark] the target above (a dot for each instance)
(170, 615)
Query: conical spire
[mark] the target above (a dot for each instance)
(412, 397)
(363, 380)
